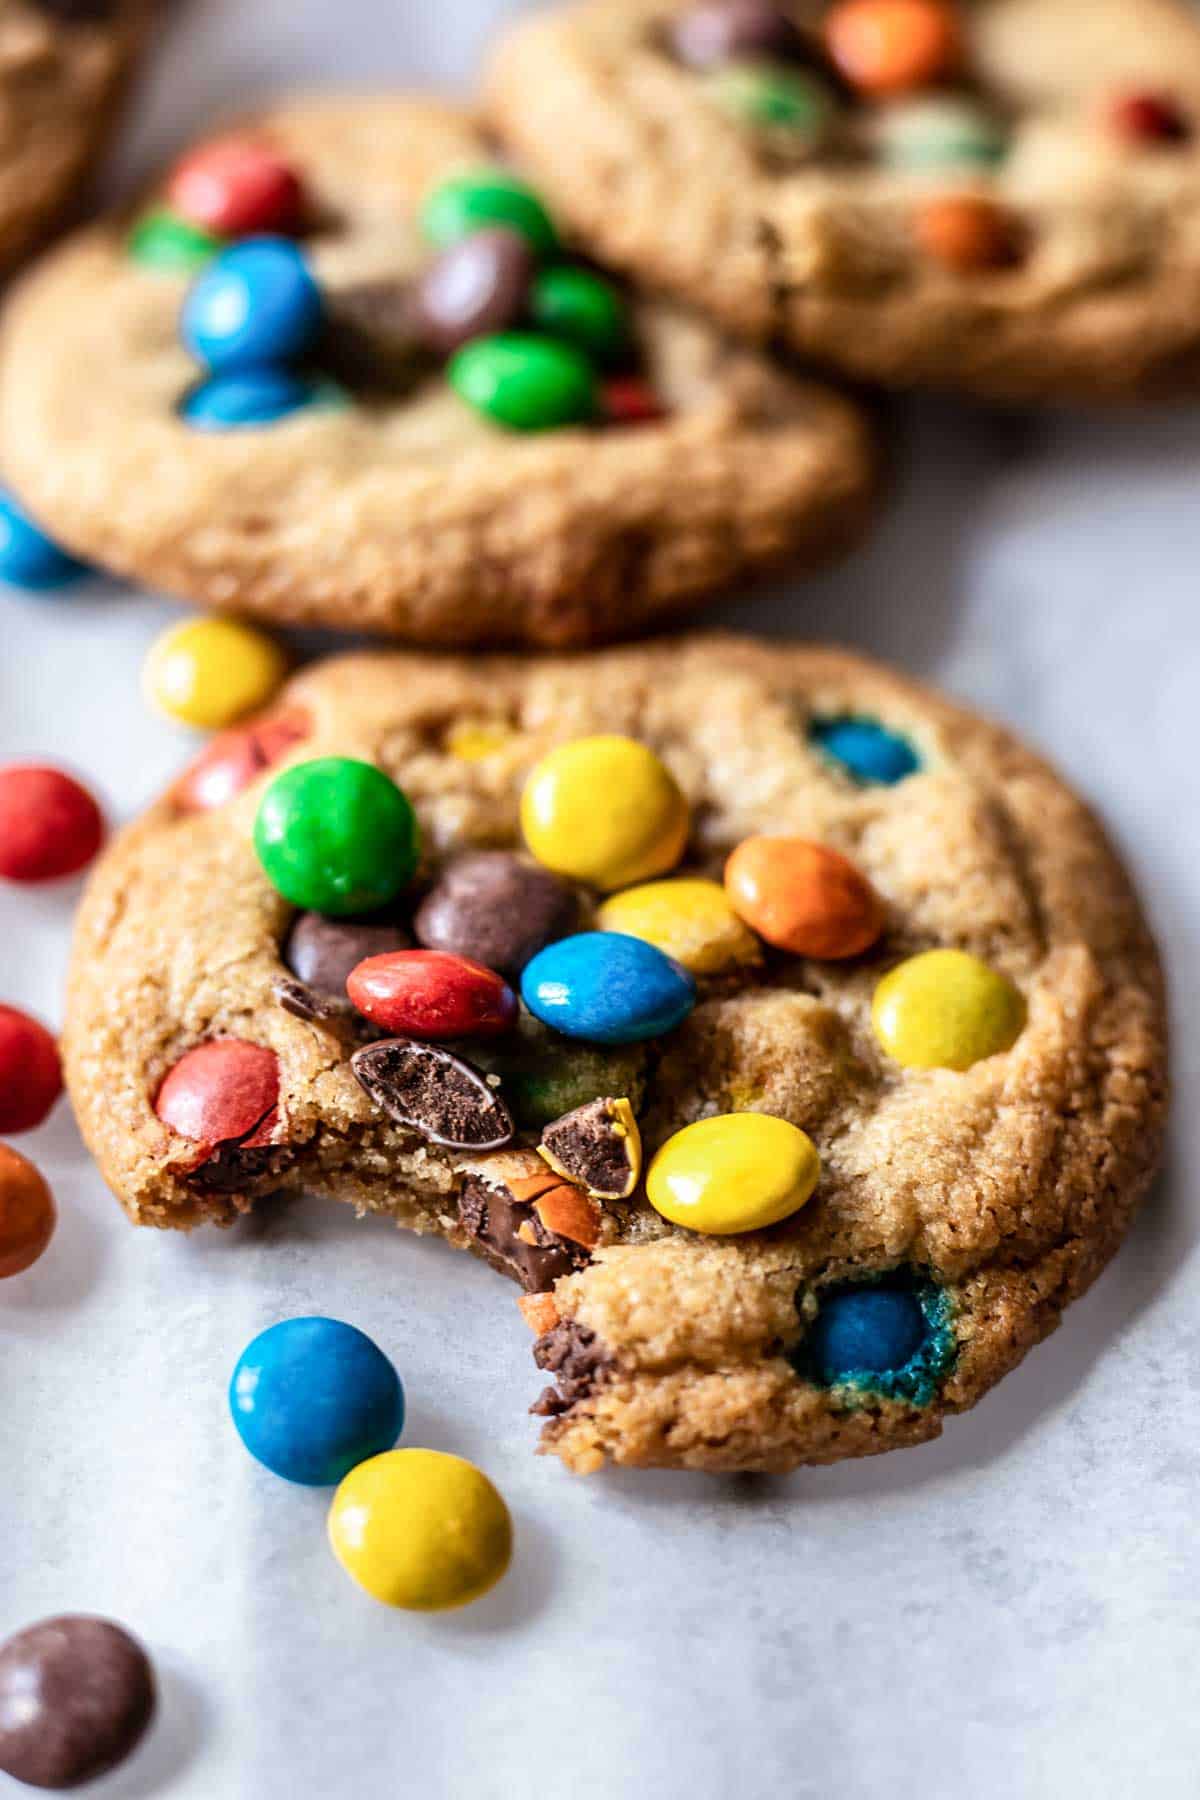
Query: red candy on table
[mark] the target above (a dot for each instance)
(30, 1073)
(27, 1215)
(628, 400)
(1142, 118)
(236, 758)
(431, 994)
(225, 1091)
(237, 185)
(49, 825)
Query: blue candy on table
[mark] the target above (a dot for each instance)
(312, 1398)
(28, 558)
(607, 988)
(248, 397)
(866, 750)
(257, 304)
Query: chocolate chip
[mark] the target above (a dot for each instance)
(577, 1359)
(723, 31)
(496, 908)
(372, 338)
(476, 287)
(514, 1238)
(76, 1694)
(598, 1146)
(321, 952)
(233, 1168)
(434, 1092)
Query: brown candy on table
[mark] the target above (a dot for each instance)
(321, 952)
(497, 909)
(724, 31)
(372, 338)
(598, 1146)
(476, 287)
(498, 1209)
(76, 1695)
(433, 1092)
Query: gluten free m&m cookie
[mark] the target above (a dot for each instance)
(788, 1075)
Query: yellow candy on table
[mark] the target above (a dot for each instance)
(212, 672)
(689, 919)
(737, 1172)
(604, 810)
(946, 1009)
(420, 1530)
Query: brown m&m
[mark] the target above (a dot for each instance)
(76, 1696)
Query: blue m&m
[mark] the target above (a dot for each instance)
(607, 988)
(866, 750)
(28, 558)
(247, 397)
(312, 1398)
(255, 304)
(866, 1331)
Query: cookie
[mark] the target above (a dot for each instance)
(1001, 196)
(789, 1170)
(63, 64)
(595, 465)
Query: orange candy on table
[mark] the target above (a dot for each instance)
(27, 1213)
(886, 47)
(969, 234)
(803, 897)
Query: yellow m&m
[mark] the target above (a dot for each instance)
(420, 1530)
(737, 1172)
(605, 810)
(945, 1009)
(689, 919)
(212, 672)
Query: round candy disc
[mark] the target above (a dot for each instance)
(803, 897)
(497, 908)
(583, 308)
(336, 836)
(945, 1009)
(467, 203)
(887, 47)
(940, 133)
(27, 1213)
(736, 1172)
(170, 245)
(236, 758)
(311, 1398)
(430, 994)
(247, 397)
(323, 953)
(787, 102)
(211, 672)
(605, 810)
(476, 287)
(28, 558)
(421, 1530)
(76, 1696)
(235, 185)
(607, 988)
(687, 919)
(723, 31)
(49, 824)
(865, 750)
(255, 303)
(865, 1331)
(30, 1073)
(526, 382)
(968, 234)
(222, 1092)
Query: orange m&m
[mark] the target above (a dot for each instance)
(803, 897)
(26, 1213)
(885, 47)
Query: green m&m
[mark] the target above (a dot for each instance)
(524, 381)
(336, 836)
(469, 203)
(940, 133)
(787, 103)
(582, 308)
(162, 240)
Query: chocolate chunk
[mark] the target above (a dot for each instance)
(321, 952)
(234, 1167)
(371, 335)
(725, 31)
(434, 1092)
(577, 1359)
(305, 1003)
(497, 908)
(76, 1694)
(514, 1237)
(598, 1146)
(474, 288)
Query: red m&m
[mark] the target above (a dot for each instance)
(1143, 118)
(30, 1073)
(236, 758)
(222, 1092)
(431, 994)
(237, 185)
(49, 825)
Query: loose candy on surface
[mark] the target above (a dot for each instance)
(421, 1530)
(76, 1696)
(211, 672)
(803, 898)
(496, 907)
(885, 47)
(169, 245)
(432, 1091)
(30, 1071)
(940, 133)
(969, 234)
(789, 102)
(524, 381)
(336, 836)
(430, 994)
(606, 811)
(607, 988)
(245, 398)
(689, 919)
(583, 308)
(235, 185)
(946, 1009)
(323, 953)
(468, 203)
(865, 750)
(475, 288)
(50, 826)
(237, 758)
(224, 1091)
(598, 1146)
(256, 303)
(736, 1172)
(28, 558)
(27, 1213)
(722, 31)
(312, 1398)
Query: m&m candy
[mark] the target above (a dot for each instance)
(211, 672)
(224, 1091)
(467, 203)
(865, 1331)
(945, 1009)
(605, 810)
(169, 245)
(786, 102)
(28, 558)
(256, 303)
(248, 397)
(238, 757)
(475, 288)
(420, 1529)
(804, 898)
(432, 994)
(236, 185)
(968, 234)
(76, 1696)
(525, 382)
(312, 1397)
(27, 1214)
(607, 988)
(335, 835)
(736, 1172)
(885, 47)
(940, 133)
(30, 1072)
(688, 919)
(865, 750)
(50, 826)
(582, 307)
(722, 31)
(1150, 120)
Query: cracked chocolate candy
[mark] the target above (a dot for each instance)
(598, 1146)
(578, 1361)
(433, 1092)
